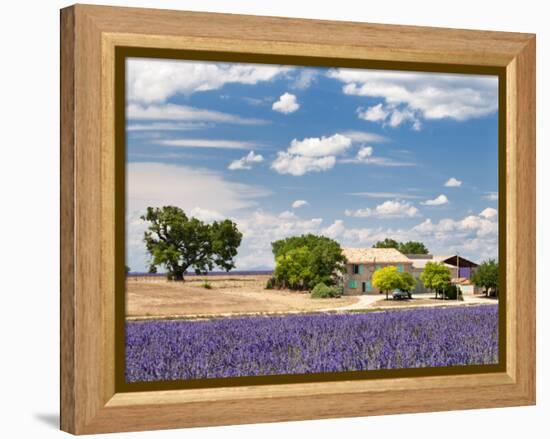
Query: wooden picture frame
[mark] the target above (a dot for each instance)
(90, 36)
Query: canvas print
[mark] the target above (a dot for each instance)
(287, 220)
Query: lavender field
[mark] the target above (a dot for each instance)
(169, 350)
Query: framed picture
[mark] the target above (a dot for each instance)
(269, 219)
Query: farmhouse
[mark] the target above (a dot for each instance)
(363, 262)
(461, 270)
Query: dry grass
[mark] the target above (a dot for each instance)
(156, 297)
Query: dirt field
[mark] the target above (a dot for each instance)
(156, 297)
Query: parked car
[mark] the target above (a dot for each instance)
(400, 295)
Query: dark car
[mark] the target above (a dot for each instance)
(401, 295)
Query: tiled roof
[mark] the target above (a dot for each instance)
(382, 255)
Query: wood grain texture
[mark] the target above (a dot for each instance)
(90, 34)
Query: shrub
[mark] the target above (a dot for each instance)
(322, 291)
(451, 292)
(206, 285)
(271, 283)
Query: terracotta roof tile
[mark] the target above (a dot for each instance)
(382, 255)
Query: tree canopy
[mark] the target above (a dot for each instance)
(301, 262)
(410, 247)
(178, 242)
(389, 278)
(436, 276)
(387, 243)
(486, 276)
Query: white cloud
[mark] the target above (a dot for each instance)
(208, 143)
(305, 78)
(453, 182)
(415, 96)
(312, 154)
(299, 203)
(154, 80)
(320, 146)
(167, 126)
(246, 162)
(385, 195)
(488, 213)
(184, 113)
(157, 184)
(388, 209)
(286, 104)
(491, 196)
(297, 165)
(364, 136)
(206, 214)
(437, 201)
(364, 153)
(261, 228)
(376, 113)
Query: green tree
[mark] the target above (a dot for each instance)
(413, 248)
(486, 276)
(387, 243)
(301, 262)
(177, 242)
(408, 282)
(387, 279)
(436, 276)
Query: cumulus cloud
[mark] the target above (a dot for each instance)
(491, 196)
(246, 162)
(184, 113)
(364, 153)
(286, 104)
(312, 154)
(489, 213)
(320, 146)
(305, 78)
(388, 209)
(437, 201)
(453, 182)
(409, 96)
(155, 80)
(376, 113)
(297, 165)
(299, 203)
(206, 214)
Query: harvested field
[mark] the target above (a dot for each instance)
(243, 294)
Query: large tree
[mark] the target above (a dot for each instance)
(410, 247)
(408, 282)
(301, 262)
(178, 242)
(387, 243)
(387, 279)
(436, 276)
(486, 276)
(413, 248)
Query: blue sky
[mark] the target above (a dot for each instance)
(357, 155)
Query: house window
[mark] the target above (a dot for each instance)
(400, 268)
(355, 269)
(378, 266)
(352, 284)
(367, 287)
(361, 268)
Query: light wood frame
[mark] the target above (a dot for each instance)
(89, 36)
